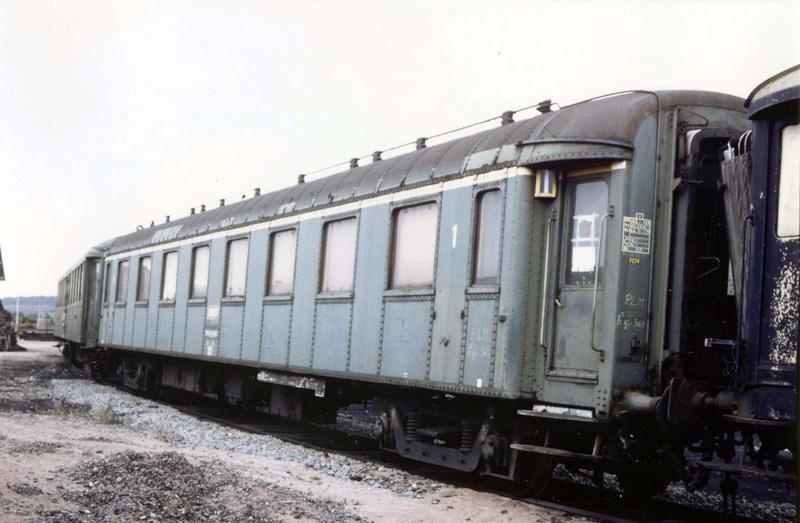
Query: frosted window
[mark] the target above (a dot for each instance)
(169, 280)
(588, 202)
(143, 285)
(487, 238)
(122, 281)
(281, 263)
(789, 187)
(236, 268)
(199, 272)
(414, 246)
(339, 256)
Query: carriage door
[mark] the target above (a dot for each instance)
(579, 276)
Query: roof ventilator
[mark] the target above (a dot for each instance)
(507, 118)
(421, 143)
(301, 178)
(353, 163)
(203, 208)
(167, 219)
(376, 156)
(257, 191)
(222, 202)
(191, 211)
(545, 106)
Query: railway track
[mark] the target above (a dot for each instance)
(569, 497)
(562, 495)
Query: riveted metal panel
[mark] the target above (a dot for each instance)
(139, 326)
(277, 317)
(406, 337)
(370, 281)
(157, 265)
(452, 262)
(230, 330)
(332, 335)
(479, 343)
(305, 290)
(195, 327)
(395, 176)
(455, 158)
(166, 316)
(181, 297)
(369, 183)
(254, 293)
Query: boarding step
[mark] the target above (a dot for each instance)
(557, 453)
(741, 469)
(560, 416)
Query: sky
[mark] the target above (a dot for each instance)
(115, 114)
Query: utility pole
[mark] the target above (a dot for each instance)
(17, 326)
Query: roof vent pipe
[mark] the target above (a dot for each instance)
(507, 118)
(167, 219)
(301, 178)
(421, 143)
(353, 163)
(152, 223)
(544, 106)
(202, 207)
(376, 156)
(222, 202)
(257, 191)
(191, 211)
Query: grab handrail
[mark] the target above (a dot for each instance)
(600, 244)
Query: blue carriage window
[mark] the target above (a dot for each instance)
(789, 184)
(588, 202)
(338, 256)
(143, 283)
(122, 281)
(486, 270)
(169, 276)
(236, 268)
(281, 263)
(200, 257)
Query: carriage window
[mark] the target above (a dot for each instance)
(588, 203)
(236, 268)
(414, 246)
(486, 270)
(199, 272)
(281, 263)
(122, 281)
(338, 256)
(108, 282)
(789, 185)
(169, 277)
(143, 283)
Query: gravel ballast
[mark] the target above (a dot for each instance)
(181, 429)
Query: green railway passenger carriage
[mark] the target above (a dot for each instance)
(531, 294)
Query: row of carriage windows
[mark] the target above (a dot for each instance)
(70, 289)
(412, 266)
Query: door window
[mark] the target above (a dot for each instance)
(588, 202)
(789, 185)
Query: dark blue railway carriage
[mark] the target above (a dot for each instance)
(522, 296)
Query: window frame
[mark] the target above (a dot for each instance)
(390, 288)
(228, 242)
(567, 214)
(268, 294)
(475, 240)
(146, 298)
(323, 256)
(193, 261)
(163, 278)
(120, 263)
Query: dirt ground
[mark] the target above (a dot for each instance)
(51, 457)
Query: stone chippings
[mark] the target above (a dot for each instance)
(184, 430)
(166, 487)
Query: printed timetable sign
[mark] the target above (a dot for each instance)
(636, 231)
